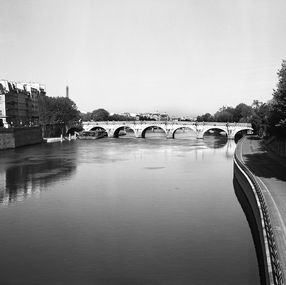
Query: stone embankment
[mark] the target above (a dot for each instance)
(16, 137)
(262, 177)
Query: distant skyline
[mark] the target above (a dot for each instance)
(183, 57)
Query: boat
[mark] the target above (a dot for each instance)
(92, 135)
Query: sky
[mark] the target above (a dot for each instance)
(183, 57)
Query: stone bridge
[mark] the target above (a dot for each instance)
(169, 127)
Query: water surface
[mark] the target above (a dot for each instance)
(123, 211)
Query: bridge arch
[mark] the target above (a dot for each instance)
(94, 128)
(120, 128)
(150, 127)
(236, 133)
(183, 127)
(224, 129)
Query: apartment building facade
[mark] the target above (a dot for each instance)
(19, 103)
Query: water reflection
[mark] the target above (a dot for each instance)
(26, 171)
(220, 143)
(35, 168)
(212, 141)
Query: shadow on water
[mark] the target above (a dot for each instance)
(246, 207)
(214, 141)
(33, 169)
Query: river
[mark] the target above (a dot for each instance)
(124, 211)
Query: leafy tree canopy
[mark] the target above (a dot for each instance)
(242, 113)
(99, 115)
(85, 116)
(205, 118)
(117, 117)
(224, 114)
(103, 115)
(277, 116)
(58, 110)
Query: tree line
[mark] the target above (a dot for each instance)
(103, 115)
(256, 114)
(267, 119)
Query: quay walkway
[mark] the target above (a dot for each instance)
(267, 171)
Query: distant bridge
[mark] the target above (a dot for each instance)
(169, 127)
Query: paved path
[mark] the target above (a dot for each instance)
(270, 171)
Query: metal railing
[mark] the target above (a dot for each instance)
(277, 273)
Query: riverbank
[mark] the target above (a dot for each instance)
(264, 173)
(16, 137)
(59, 139)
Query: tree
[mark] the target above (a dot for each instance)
(224, 114)
(117, 117)
(277, 114)
(256, 104)
(65, 111)
(207, 117)
(85, 116)
(58, 110)
(99, 115)
(259, 118)
(145, 118)
(242, 113)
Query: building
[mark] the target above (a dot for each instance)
(19, 103)
(164, 117)
(154, 116)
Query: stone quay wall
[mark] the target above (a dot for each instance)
(272, 270)
(16, 137)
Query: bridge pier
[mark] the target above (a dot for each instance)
(110, 133)
(138, 133)
(230, 133)
(200, 133)
(170, 134)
